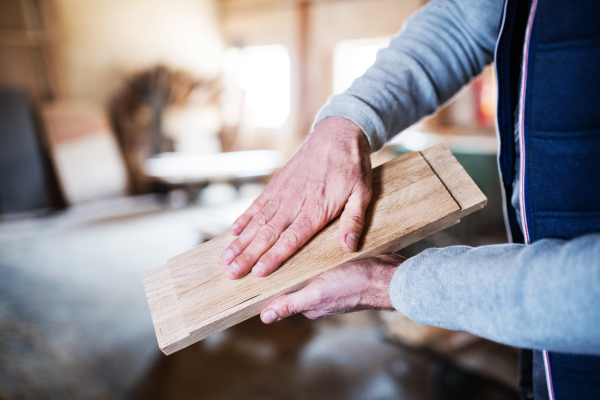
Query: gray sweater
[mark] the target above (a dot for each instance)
(540, 296)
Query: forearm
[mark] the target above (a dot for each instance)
(438, 51)
(540, 296)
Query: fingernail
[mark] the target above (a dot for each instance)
(270, 317)
(227, 256)
(352, 240)
(232, 269)
(234, 228)
(258, 269)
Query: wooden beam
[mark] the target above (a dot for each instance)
(302, 68)
(22, 38)
(414, 196)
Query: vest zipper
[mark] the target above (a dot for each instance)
(503, 190)
(521, 114)
(522, 89)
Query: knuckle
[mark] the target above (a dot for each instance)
(243, 260)
(261, 200)
(267, 268)
(259, 219)
(304, 225)
(290, 238)
(317, 211)
(235, 246)
(317, 295)
(254, 226)
(242, 219)
(355, 219)
(312, 314)
(288, 308)
(266, 234)
(273, 258)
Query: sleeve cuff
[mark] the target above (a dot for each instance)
(397, 287)
(361, 114)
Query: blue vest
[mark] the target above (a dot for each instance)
(560, 93)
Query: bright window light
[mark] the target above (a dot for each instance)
(351, 58)
(263, 72)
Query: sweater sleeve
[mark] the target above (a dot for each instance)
(439, 50)
(540, 296)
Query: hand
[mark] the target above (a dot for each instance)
(331, 172)
(353, 286)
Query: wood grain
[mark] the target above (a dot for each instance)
(164, 307)
(191, 298)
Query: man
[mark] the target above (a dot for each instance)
(542, 291)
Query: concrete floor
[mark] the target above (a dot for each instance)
(342, 357)
(74, 324)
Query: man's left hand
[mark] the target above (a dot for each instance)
(353, 286)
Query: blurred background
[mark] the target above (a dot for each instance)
(134, 130)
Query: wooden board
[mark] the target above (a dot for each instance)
(414, 196)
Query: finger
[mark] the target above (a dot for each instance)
(290, 240)
(245, 238)
(392, 258)
(289, 304)
(352, 220)
(243, 220)
(264, 239)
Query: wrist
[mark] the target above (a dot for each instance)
(340, 130)
(378, 287)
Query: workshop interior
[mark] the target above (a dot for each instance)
(134, 130)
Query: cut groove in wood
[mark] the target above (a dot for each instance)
(460, 185)
(414, 196)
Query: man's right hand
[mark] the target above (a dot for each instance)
(329, 175)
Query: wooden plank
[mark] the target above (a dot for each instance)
(198, 275)
(409, 203)
(164, 307)
(460, 185)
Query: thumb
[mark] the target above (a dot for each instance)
(352, 219)
(285, 306)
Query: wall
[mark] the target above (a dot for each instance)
(343, 20)
(104, 40)
(261, 22)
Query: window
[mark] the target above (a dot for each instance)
(351, 58)
(263, 73)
